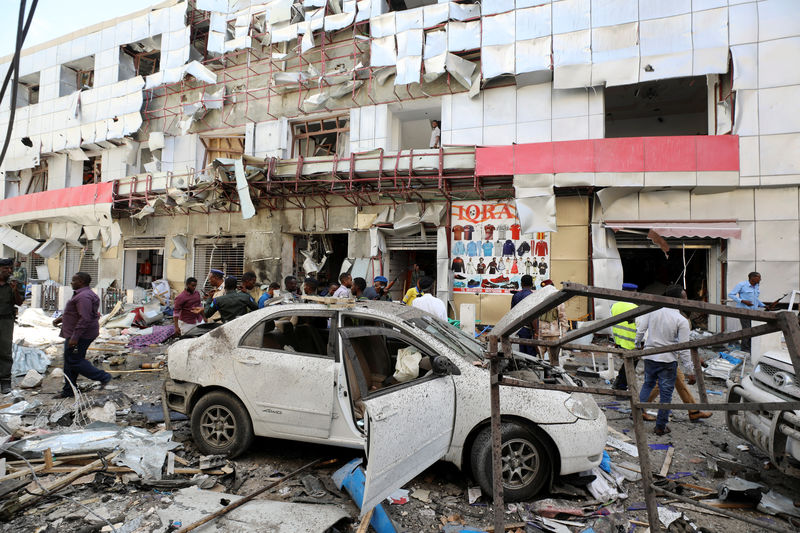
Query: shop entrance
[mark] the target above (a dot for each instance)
(143, 262)
(404, 253)
(315, 248)
(647, 266)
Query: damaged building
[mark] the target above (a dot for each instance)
(593, 141)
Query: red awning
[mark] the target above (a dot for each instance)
(714, 229)
(85, 204)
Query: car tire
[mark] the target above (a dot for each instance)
(221, 425)
(529, 455)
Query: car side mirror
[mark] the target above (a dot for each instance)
(444, 366)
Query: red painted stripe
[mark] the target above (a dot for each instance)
(96, 193)
(632, 154)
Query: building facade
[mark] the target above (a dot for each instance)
(602, 140)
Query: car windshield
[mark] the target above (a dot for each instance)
(461, 342)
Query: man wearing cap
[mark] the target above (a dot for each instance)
(379, 290)
(624, 334)
(216, 278)
(10, 297)
(232, 304)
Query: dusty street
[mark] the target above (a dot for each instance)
(438, 499)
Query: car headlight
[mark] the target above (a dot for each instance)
(582, 406)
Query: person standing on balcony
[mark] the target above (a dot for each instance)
(10, 297)
(436, 135)
(746, 294)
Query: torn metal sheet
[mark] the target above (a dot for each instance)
(383, 52)
(17, 241)
(409, 43)
(51, 248)
(307, 42)
(497, 60)
(155, 141)
(408, 70)
(433, 214)
(364, 11)
(572, 60)
(410, 19)
(339, 22)
(666, 46)
(383, 26)
(193, 504)
(710, 41)
(745, 66)
(464, 11)
(77, 154)
(243, 188)
(213, 5)
(536, 209)
(315, 101)
(463, 36)
(435, 14)
(615, 55)
(345, 89)
(435, 44)
(533, 22)
(533, 56)
(460, 69)
(284, 34)
(280, 11)
(492, 7)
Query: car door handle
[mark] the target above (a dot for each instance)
(249, 362)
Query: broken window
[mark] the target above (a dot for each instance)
(225, 253)
(76, 76)
(12, 181)
(141, 58)
(655, 108)
(304, 334)
(92, 170)
(223, 147)
(321, 137)
(38, 182)
(28, 90)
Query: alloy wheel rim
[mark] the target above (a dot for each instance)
(218, 426)
(520, 463)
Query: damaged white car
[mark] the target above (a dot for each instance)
(405, 386)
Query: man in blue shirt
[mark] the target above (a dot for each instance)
(527, 332)
(745, 294)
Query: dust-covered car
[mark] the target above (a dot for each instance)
(408, 387)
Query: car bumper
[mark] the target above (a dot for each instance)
(777, 433)
(580, 444)
(179, 395)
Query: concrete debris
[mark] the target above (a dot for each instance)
(107, 413)
(32, 379)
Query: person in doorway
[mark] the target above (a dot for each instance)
(20, 274)
(310, 286)
(188, 310)
(10, 297)
(358, 288)
(551, 325)
(436, 135)
(416, 274)
(232, 304)
(269, 293)
(290, 286)
(427, 302)
(663, 327)
(80, 326)
(624, 335)
(346, 281)
(250, 285)
(379, 290)
(526, 283)
(746, 294)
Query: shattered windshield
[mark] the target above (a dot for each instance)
(461, 342)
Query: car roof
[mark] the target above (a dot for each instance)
(381, 308)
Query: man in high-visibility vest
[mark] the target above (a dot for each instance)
(624, 334)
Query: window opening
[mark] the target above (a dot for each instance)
(332, 248)
(412, 124)
(92, 169)
(76, 76)
(79, 259)
(28, 90)
(141, 58)
(143, 262)
(301, 334)
(676, 106)
(221, 253)
(223, 148)
(321, 137)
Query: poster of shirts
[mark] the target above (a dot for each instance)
(488, 252)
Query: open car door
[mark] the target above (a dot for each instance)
(409, 425)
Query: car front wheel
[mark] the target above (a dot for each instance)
(221, 425)
(525, 462)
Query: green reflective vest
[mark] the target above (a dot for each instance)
(624, 332)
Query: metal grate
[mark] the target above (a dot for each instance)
(411, 242)
(143, 243)
(79, 260)
(221, 253)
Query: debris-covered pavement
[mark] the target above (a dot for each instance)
(105, 461)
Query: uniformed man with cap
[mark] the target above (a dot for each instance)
(379, 290)
(10, 297)
(624, 334)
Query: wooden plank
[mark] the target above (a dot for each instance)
(364, 525)
(667, 462)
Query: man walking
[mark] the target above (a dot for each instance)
(526, 332)
(80, 326)
(10, 297)
(746, 294)
(427, 301)
(664, 327)
(188, 311)
(232, 304)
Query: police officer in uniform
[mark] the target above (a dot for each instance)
(624, 334)
(10, 296)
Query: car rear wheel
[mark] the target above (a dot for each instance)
(221, 425)
(526, 463)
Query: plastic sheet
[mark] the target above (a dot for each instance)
(26, 359)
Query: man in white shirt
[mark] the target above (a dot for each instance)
(436, 135)
(427, 301)
(344, 289)
(663, 327)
